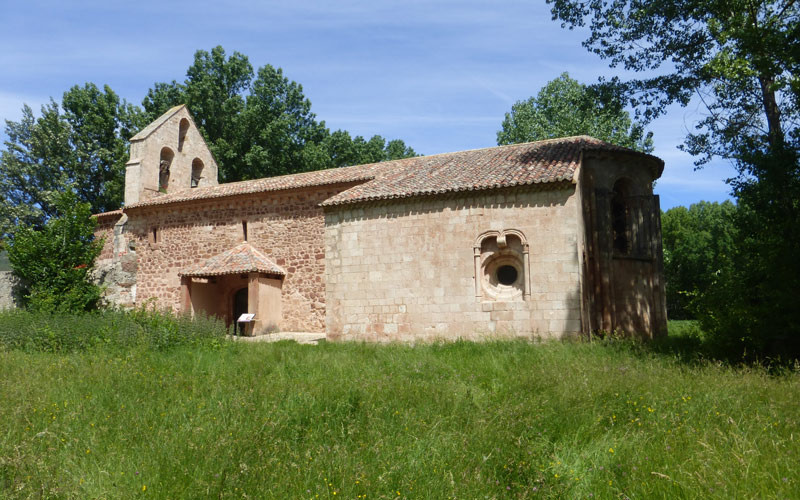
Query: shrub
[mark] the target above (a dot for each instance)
(54, 261)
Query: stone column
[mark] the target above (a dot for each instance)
(477, 259)
(526, 273)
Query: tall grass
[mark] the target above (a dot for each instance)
(147, 328)
(460, 420)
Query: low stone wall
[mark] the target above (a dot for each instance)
(8, 290)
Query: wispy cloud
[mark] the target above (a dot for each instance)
(439, 74)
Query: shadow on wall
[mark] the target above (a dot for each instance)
(634, 292)
(558, 194)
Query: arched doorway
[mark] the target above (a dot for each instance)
(239, 308)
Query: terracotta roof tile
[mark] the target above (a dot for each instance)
(242, 258)
(108, 214)
(554, 160)
(267, 184)
(549, 161)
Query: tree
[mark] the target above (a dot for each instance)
(54, 261)
(741, 60)
(83, 143)
(259, 124)
(344, 150)
(698, 247)
(564, 107)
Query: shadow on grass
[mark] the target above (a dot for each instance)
(688, 343)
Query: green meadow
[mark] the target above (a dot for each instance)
(134, 411)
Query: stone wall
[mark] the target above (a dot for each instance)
(287, 226)
(624, 287)
(116, 266)
(8, 290)
(406, 270)
(186, 146)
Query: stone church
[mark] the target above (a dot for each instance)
(547, 239)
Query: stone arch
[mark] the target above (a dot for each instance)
(183, 129)
(197, 172)
(502, 270)
(165, 161)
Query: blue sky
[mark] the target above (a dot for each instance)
(438, 74)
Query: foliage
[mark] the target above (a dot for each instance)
(463, 420)
(54, 261)
(698, 247)
(564, 107)
(37, 331)
(751, 310)
(256, 125)
(740, 59)
(81, 143)
(260, 125)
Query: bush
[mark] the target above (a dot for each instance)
(63, 332)
(54, 261)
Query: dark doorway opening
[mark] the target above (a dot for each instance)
(239, 308)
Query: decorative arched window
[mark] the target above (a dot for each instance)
(621, 217)
(183, 128)
(501, 266)
(163, 168)
(197, 172)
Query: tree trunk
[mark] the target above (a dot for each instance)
(773, 113)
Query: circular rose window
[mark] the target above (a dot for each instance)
(502, 277)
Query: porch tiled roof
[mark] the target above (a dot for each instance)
(242, 258)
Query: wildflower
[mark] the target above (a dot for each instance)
(611, 450)
(144, 487)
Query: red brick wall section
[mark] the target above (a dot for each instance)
(286, 226)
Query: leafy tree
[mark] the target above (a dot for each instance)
(564, 107)
(741, 59)
(54, 261)
(83, 143)
(260, 124)
(698, 247)
(344, 150)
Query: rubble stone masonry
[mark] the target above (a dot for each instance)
(287, 226)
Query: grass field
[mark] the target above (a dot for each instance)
(459, 420)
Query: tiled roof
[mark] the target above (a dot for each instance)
(242, 258)
(108, 214)
(549, 161)
(280, 183)
(157, 123)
